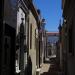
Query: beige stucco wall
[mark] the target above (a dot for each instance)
(32, 52)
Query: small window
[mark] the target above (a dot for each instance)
(30, 36)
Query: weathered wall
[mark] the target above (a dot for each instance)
(69, 16)
(32, 51)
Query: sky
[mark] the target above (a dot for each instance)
(51, 11)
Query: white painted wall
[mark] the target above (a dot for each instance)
(20, 14)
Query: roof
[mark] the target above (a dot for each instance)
(52, 33)
(31, 6)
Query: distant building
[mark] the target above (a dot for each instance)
(52, 38)
(42, 41)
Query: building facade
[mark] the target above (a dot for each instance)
(68, 36)
(33, 41)
(8, 34)
(27, 40)
(42, 40)
(20, 38)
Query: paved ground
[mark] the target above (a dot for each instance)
(45, 68)
(50, 68)
(52, 56)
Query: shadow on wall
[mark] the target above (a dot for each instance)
(28, 69)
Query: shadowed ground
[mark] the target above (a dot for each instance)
(50, 68)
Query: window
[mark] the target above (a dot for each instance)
(30, 36)
(71, 42)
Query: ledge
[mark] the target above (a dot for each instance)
(38, 70)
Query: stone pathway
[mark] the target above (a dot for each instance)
(50, 68)
(45, 68)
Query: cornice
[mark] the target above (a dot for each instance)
(33, 10)
(28, 5)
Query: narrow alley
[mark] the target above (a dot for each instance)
(37, 37)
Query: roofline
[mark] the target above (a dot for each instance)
(33, 9)
(52, 33)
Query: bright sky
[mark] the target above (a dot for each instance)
(51, 11)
